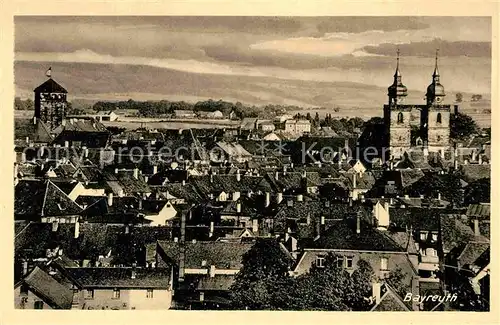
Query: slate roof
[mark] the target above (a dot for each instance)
(120, 277)
(455, 233)
(364, 181)
(221, 254)
(46, 287)
(50, 86)
(42, 133)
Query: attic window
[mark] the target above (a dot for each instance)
(340, 262)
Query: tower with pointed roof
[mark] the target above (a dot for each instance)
(435, 117)
(397, 116)
(50, 103)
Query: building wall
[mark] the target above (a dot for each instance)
(30, 302)
(394, 260)
(129, 299)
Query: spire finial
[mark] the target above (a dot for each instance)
(397, 73)
(436, 71)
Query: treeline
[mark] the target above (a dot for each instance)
(166, 107)
(23, 105)
(339, 125)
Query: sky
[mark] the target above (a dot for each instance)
(307, 61)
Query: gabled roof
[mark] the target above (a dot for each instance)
(48, 289)
(390, 301)
(343, 235)
(471, 252)
(119, 277)
(219, 282)
(50, 86)
(473, 172)
(478, 210)
(221, 254)
(42, 133)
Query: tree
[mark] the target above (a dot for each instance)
(265, 266)
(478, 191)
(432, 184)
(459, 97)
(462, 126)
(396, 280)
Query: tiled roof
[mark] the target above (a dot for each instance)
(474, 172)
(221, 254)
(455, 233)
(179, 191)
(478, 210)
(218, 282)
(46, 287)
(472, 251)
(42, 133)
(343, 235)
(50, 86)
(120, 277)
(390, 301)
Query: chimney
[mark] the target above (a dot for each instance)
(358, 223)
(354, 181)
(183, 182)
(238, 175)
(127, 229)
(85, 152)
(255, 226)
(426, 152)
(238, 207)
(120, 193)
(386, 206)
(27, 140)
(25, 267)
(211, 232)
(322, 220)
(140, 204)
(212, 271)
(304, 174)
(77, 229)
(176, 239)
(480, 159)
(474, 155)
(308, 220)
(211, 178)
(477, 232)
(34, 120)
(155, 169)
(268, 199)
(300, 198)
(66, 144)
(23, 157)
(439, 196)
(279, 197)
(133, 273)
(110, 199)
(466, 161)
(362, 197)
(376, 286)
(193, 241)
(276, 175)
(136, 173)
(146, 178)
(116, 170)
(407, 196)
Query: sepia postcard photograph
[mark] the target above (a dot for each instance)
(251, 163)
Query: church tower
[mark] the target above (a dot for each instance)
(397, 117)
(50, 103)
(435, 118)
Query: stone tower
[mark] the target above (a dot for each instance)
(50, 103)
(435, 118)
(397, 117)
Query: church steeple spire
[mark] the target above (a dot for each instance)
(436, 70)
(397, 91)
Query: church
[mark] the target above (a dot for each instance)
(431, 134)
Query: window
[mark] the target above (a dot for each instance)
(383, 263)
(149, 293)
(433, 252)
(320, 261)
(400, 118)
(24, 289)
(438, 118)
(423, 252)
(423, 235)
(38, 304)
(116, 293)
(89, 294)
(340, 261)
(438, 138)
(349, 262)
(434, 237)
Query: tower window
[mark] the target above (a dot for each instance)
(438, 118)
(400, 118)
(439, 138)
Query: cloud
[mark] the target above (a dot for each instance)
(360, 24)
(428, 49)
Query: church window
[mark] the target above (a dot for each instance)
(438, 119)
(400, 118)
